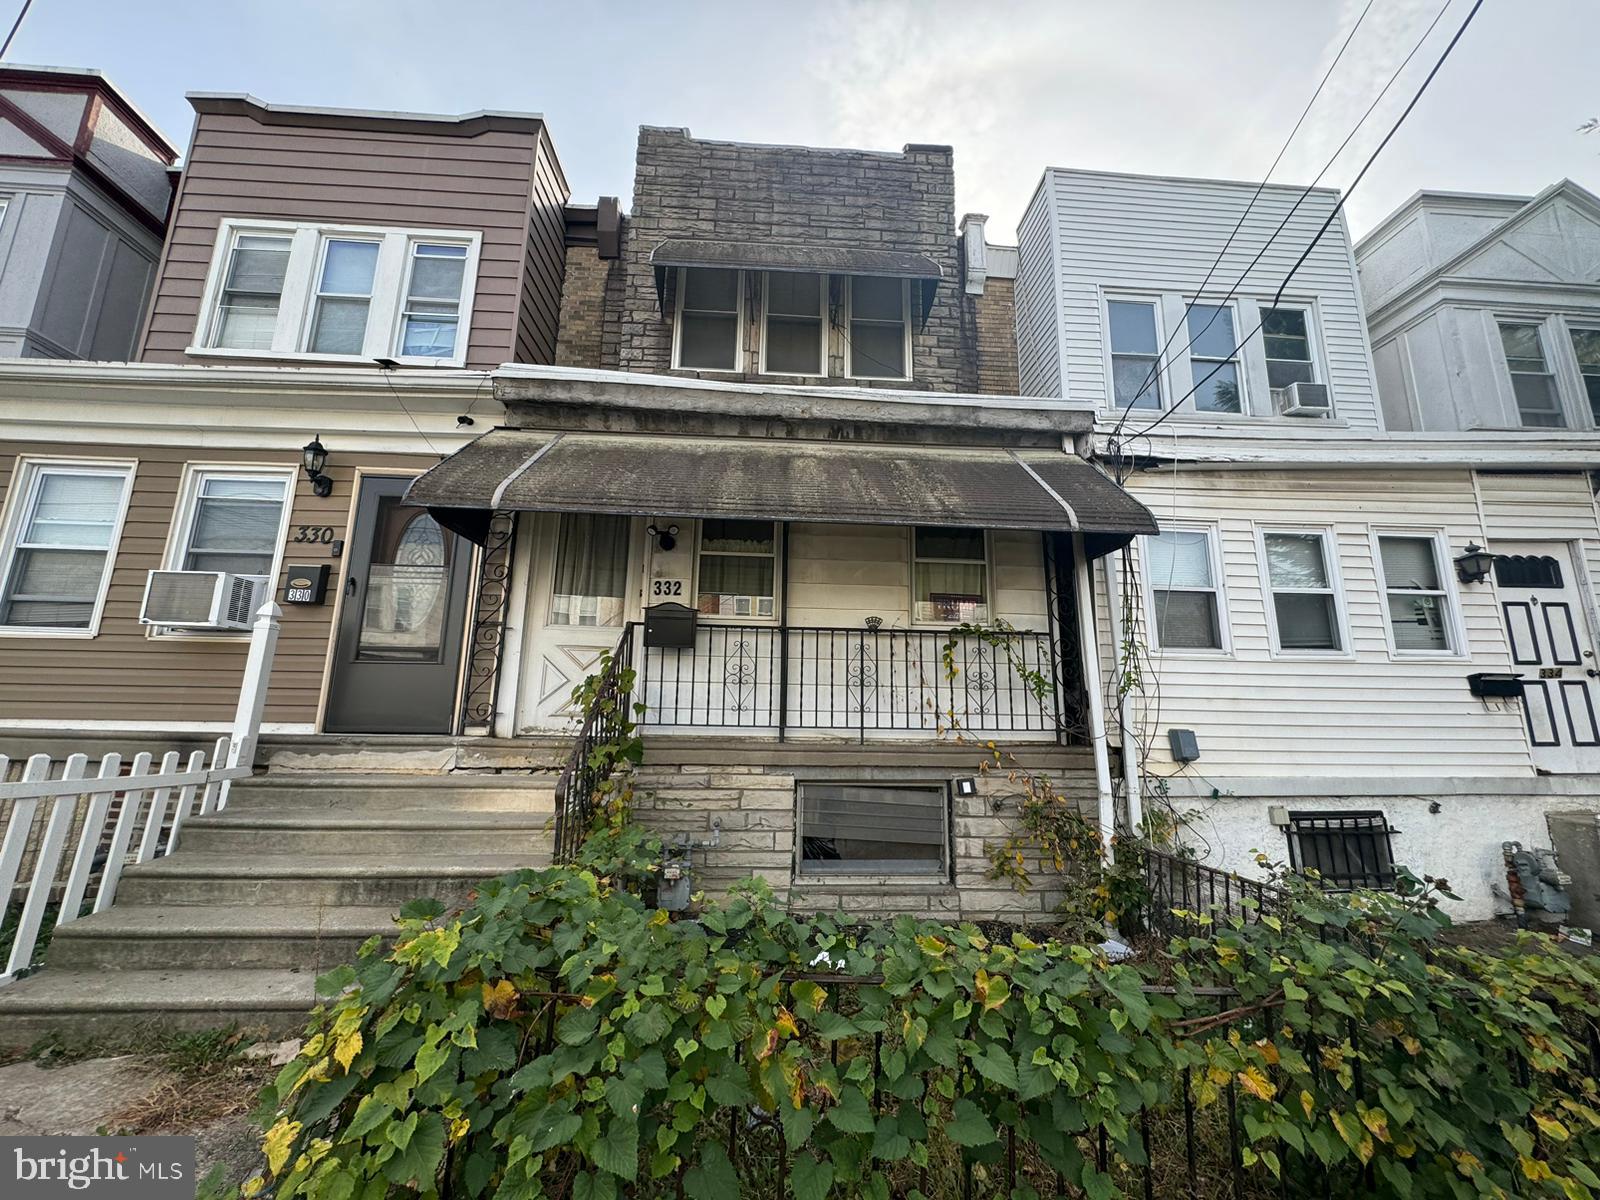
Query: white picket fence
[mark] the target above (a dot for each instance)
(151, 802)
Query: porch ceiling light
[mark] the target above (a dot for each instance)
(1473, 564)
(313, 458)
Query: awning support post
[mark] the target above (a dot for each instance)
(1130, 743)
(1089, 649)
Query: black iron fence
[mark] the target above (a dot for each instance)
(786, 678)
(591, 763)
(1180, 886)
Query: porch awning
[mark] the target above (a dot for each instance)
(811, 258)
(777, 479)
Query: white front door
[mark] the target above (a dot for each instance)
(581, 590)
(1547, 631)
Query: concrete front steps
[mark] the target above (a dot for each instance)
(257, 901)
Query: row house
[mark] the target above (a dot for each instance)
(1370, 545)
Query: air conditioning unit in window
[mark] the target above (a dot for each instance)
(1303, 400)
(201, 599)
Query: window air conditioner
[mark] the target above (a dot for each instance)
(1303, 400)
(201, 599)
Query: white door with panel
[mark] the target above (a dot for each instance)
(1547, 631)
(579, 596)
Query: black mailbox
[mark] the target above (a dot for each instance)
(305, 584)
(669, 625)
(1495, 685)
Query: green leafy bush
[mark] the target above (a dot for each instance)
(561, 1038)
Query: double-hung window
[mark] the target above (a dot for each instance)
(1532, 381)
(341, 293)
(1180, 566)
(1586, 348)
(794, 341)
(1135, 354)
(232, 521)
(1286, 337)
(949, 575)
(709, 303)
(1417, 603)
(1300, 580)
(738, 568)
(879, 346)
(1214, 359)
(59, 544)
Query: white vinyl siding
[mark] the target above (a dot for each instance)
(1364, 714)
(1535, 508)
(1161, 236)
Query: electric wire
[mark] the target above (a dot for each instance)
(15, 25)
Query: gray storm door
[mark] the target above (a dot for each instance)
(397, 657)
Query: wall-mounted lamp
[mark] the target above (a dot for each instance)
(313, 458)
(1473, 564)
(666, 539)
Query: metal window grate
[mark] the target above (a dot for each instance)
(1348, 849)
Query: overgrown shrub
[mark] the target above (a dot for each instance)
(561, 1038)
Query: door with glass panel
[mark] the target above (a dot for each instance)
(1547, 635)
(397, 658)
(577, 605)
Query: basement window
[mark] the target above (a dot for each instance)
(1348, 849)
(874, 829)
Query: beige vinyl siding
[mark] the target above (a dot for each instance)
(123, 673)
(1154, 236)
(239, 168)
(1362, 715)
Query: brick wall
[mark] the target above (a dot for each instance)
(994, 338)
(689, 188)
(590, 310)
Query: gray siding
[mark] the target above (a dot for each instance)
(241, 167)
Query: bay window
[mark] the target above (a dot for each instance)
(342, 293)
(1586, 348)
(949, 575)
(738, 568)
(56, 556)
(1533, 383)
(1304, 605)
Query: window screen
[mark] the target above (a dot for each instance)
(874, 828)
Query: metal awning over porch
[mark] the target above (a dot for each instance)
(778, 479)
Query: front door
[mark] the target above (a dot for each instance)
(397, 658)
(579, 597)
(1547, 630)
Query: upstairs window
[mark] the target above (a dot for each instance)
(1135, 353)
(1286, 335)
(1586, 347)
(55, 559)
(1183, 590)
(340, 293)
(709, 305)
(1532, 381)
(1305, 610)
(1214, 357)
(794, 340)
(879, 345)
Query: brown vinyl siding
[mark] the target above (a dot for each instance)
(124, 674)
(494, 182)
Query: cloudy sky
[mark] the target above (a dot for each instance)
(1181, 87)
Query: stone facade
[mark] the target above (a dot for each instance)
(685, 187)
(757, 807)
(994, 338)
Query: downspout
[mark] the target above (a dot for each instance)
(1130, 753)
(1091, 677)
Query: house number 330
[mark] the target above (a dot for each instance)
(322, 534)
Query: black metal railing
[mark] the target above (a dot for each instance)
(1183, 886)
(590, 765)
(852, 680)
(486, 642)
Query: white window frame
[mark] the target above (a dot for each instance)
(1587, 418)
(1454, 625)
(182, 528)
(1552, 367)
(1308, 309)
(317, 295)
(913, 558)
(777, 576)
(1163, 358)
(1191, 395)
(1213, 536)
(849, 321)
(679, 291)
(822, 326)
(19, 502)
(1329, 541)
(302, 274)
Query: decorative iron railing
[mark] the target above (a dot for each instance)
(1182, 886)
(785, 678)
(486, 646)
(590, 765)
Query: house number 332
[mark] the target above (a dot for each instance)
(666, 587)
